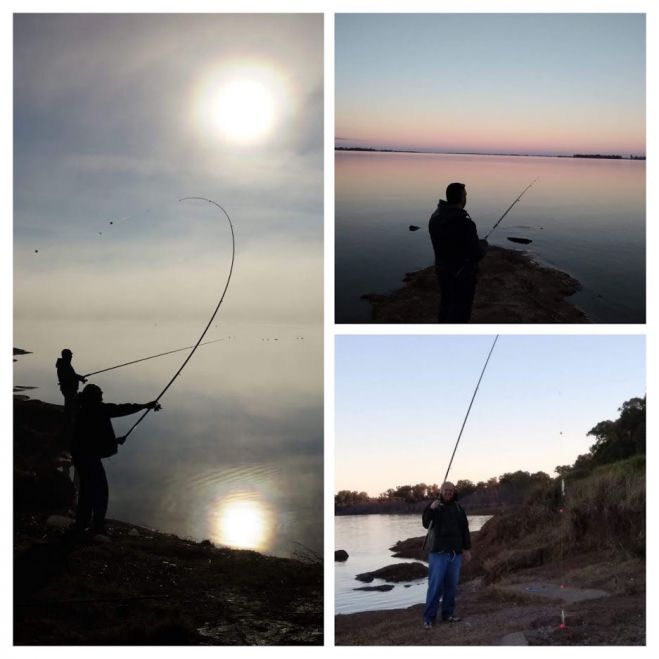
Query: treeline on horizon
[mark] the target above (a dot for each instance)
(601, 156)
(614, 441)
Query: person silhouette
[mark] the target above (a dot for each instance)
(457, 253)
(93, 440)
(69, 381)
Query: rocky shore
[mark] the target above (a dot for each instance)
(538, 576)
(512, 288)
(141, 587)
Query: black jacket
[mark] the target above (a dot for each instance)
(450, 525)
(93, 434)
(455, 239)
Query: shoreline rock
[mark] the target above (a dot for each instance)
(512, 288)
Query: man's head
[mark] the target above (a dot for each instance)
(92, 394)
(456, 195)
(447, 491)
(67, 355)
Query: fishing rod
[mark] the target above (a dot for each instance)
(143, 359)
(498, 222)
(478, 384)
(212, 318)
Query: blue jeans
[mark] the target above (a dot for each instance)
(443, 577)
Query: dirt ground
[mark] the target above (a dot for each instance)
(515, 611)
(150, 588)
(512, 288)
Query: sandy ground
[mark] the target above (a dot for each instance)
(512, 288)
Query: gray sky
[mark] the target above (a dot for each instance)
(117, 116)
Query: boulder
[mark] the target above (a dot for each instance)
(341, 555)
(396, 572)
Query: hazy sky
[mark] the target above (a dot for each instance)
(116, 117)
(528, 83)
(400, 402)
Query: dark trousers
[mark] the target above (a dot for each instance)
(456, 296)
(93, 493)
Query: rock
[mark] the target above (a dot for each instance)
(383, 588)
(101, 539)
(134, 533)
(341, 555)
(59, 522)
(395, 573)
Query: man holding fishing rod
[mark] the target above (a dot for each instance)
(448, 542)
(457, 253)
(93, 440)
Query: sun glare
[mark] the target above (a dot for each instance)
(242, 103)
(243, 523)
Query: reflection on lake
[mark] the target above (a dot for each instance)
(584, 216)
(235, 455)
(367, 539)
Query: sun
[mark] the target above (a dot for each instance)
(242, 103)
(244, 110)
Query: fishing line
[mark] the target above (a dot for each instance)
(478, 384)
(143, 359)
(210, 322)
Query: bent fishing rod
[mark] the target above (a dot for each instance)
(212, 318)
(143, 359)
(478, 384)
(498, 222)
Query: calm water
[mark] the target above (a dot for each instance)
(236, 453)
(585, 217)
(367, 539)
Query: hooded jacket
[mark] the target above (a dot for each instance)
(455, 239)
(450, 527)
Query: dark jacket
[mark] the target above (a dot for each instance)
(66, 375)
(450, 525)
(455, 240)
(93, 435)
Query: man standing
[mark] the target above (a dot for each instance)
(457, 253)
(449, 542)
(93, 440)
(69, 381)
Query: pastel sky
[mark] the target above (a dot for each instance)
(400, 402)
(492, 83)
(118, 116)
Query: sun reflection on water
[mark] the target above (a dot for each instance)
(242, 521)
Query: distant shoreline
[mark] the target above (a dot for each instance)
(594, 156)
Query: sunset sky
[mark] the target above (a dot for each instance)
(492, 83)
(400, 402)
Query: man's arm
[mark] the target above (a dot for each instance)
(466, 536)
(476, 248)
(125, 409)
(428, 514)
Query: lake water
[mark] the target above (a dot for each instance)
(367, 539)
(584, 216)
(235, 455)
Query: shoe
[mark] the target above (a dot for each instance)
(427, 625)
(452, 619)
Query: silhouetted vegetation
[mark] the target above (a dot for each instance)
(614, 441)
